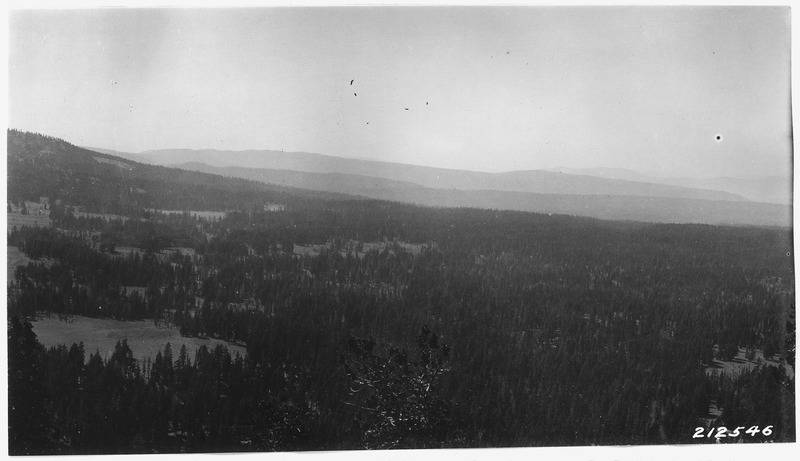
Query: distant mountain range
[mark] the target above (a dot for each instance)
(767, 189)
(599, 193)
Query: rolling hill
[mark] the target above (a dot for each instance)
(531, 181)
(769, 189)
(611, 206)
(534, 190)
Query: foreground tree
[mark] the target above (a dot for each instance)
(395, 396)
(29, 432)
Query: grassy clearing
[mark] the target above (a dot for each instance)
(358, 249)
(308, 250)
(33, 220)
(196, 214)
(104, 216)
(129, 290)
(144, 338)
(113, 162)
(37, 208)
(740, 363)
(15, 258)
(413, 248)
(121, 251)
(125, 251)
(184, 251)
(274, 207)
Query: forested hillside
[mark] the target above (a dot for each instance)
(375, 324)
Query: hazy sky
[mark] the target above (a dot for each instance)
(490, 89)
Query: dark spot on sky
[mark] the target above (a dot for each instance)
(719, 138)
(355, 94)
(426, 103)
(508, 52)
(406, 108)
(351, 82)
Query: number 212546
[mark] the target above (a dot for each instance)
(722, 431)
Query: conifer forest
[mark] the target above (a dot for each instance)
(351, 323)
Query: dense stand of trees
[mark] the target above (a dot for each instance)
(89, 405)
(559, 330)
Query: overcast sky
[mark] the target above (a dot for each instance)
(491, 89)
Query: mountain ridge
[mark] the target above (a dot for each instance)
(614, 207)
(766, 189)
(531, 181)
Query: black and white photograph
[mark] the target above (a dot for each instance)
(399, 229)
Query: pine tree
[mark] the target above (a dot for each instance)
(29, 428)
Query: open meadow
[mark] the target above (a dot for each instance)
(144, 338)
(19, 220)
(14, 258)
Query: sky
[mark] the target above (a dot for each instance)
(676, 91)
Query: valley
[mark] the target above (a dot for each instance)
(314, 319)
